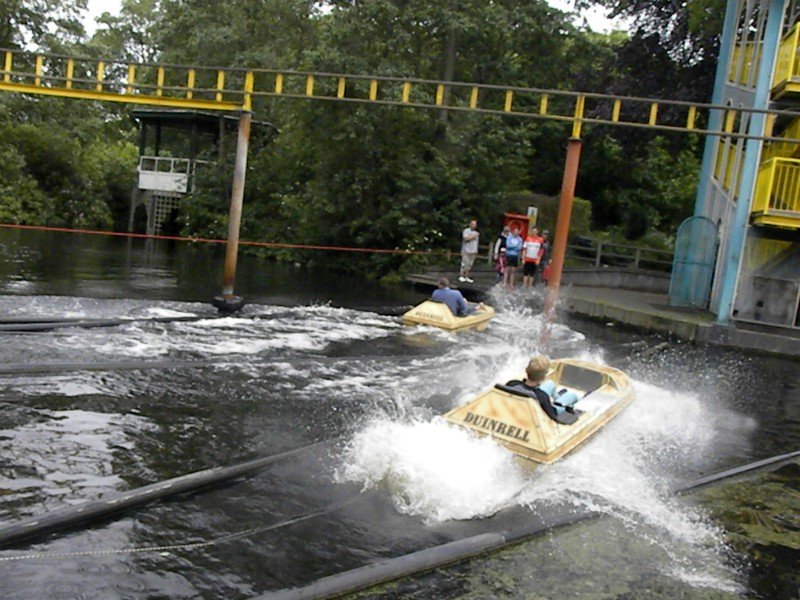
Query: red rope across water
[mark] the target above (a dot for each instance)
(219, 241)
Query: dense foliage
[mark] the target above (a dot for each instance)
(383, 177)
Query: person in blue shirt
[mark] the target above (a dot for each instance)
(453, 299)
(513, 250)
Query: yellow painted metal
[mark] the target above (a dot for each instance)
(249, 80)
(38, 70)
(786, 64)
(70, 73)
(747, 52)
(777, 197)
(653, 113)
(107, 96)
(190, 79)
(131, 79)
(759, 251)
(7, 66)
(730, 118)
(220, 85)
(509, 100)
(782, 149)
(100, 74)
(728, 161)
(691, 118)
(519, 423)
(577, 124)
(518, 101)
(438, 315)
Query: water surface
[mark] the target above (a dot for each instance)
(320, 356)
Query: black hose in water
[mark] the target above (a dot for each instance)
(727, 474)
(73, 515)
(369, 576)
(41, 326)
(124, 365)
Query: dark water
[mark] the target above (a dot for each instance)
(319, 356)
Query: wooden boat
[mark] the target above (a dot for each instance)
(517, 421)
(439, 315)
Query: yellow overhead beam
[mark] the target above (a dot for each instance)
(230, 89)
(127, 99)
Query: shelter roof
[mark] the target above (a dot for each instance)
(188, 119)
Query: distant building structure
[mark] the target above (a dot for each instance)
(170, 144)
(739, 255)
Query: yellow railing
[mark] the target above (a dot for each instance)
(787, 65)
(116, 81)
(780, 149)
(777, 196)
(217, 88)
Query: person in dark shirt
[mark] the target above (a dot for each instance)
(535, 372)
(454, 299)
(499, 252)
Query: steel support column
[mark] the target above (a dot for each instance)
(718, 97)
(228, 302)
(732, 259)
(562, 224)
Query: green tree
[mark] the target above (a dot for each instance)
(47, 24)
(658, 191)
(132, 34)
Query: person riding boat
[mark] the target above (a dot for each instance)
(454, 299)
(535, 372)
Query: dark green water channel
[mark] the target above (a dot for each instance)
(318, 355)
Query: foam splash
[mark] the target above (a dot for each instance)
(434, 470)
(302, 329)
(439, 472)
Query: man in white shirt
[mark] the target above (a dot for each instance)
(469, 250)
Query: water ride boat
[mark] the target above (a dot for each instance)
(439, 315)
(592, 395)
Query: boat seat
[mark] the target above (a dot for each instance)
(565, 418)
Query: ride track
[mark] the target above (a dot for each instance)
(232, 89)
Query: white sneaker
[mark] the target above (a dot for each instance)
(468, 280)
(463, 279)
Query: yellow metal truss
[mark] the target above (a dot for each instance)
(777, 197)
(234, 89)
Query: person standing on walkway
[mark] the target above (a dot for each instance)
(532, 251)
(513, 249)
(469, 250)
(499, 252)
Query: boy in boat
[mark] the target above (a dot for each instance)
(454, 299)
(535, 372)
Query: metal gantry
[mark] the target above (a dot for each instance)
(236, 89)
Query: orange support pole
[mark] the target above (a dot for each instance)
(228, 302)
(562, 225)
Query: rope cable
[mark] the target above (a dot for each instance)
(258, 244)
(189, 545)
